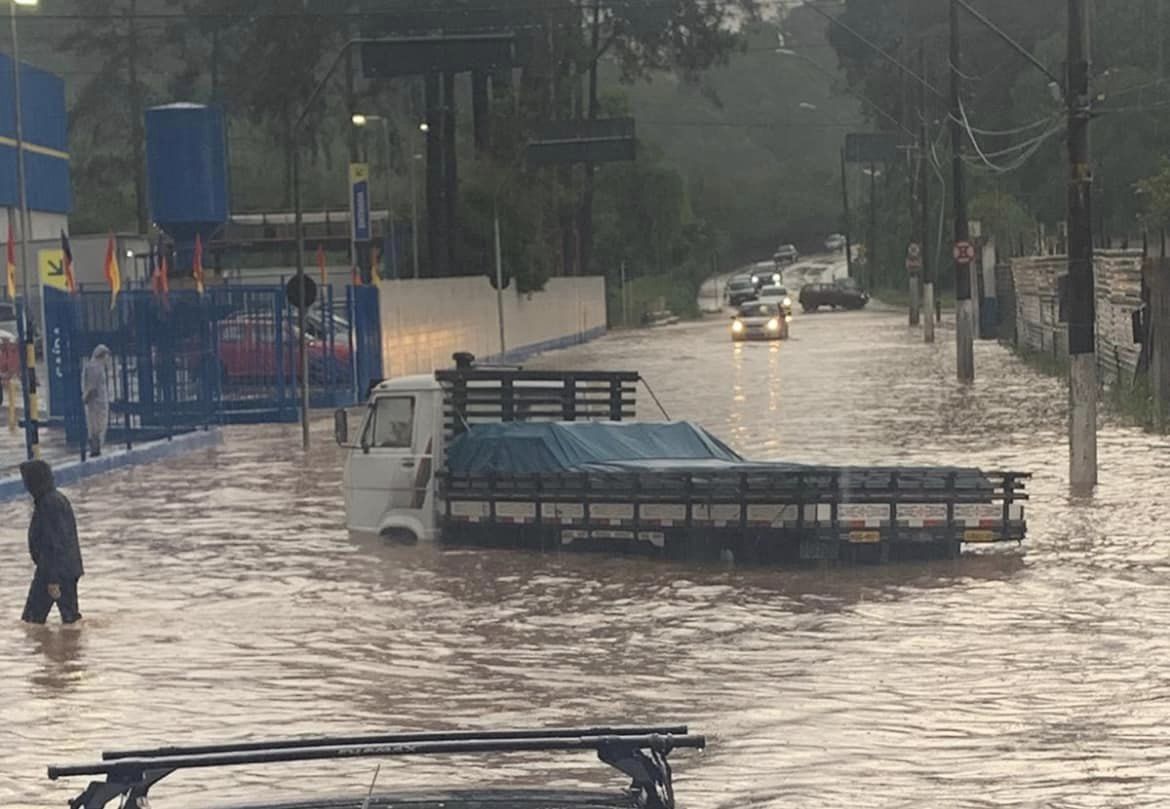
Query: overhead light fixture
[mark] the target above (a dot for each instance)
(29, 3)
(359, 119)
(424, 127)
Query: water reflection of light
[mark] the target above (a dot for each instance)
(735, 415)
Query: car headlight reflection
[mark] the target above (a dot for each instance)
(774, 324)
(755, 279)
(737, 327)
(787, 301)
(776, 278)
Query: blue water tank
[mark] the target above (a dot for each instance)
(186, 156)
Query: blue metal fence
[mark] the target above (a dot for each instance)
(188, 361)
(367, 339)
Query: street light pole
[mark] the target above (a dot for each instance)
(31, 403)
(301, 285)
(413, 213)
(499, 276)
(390, 197)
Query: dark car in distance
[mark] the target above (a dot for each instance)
(740, 290)
(843, 293)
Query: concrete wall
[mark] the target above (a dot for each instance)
(1118, 282)
(425, 321)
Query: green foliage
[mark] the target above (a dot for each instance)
(1003, 217)
(1156, 192)
(1002, 91)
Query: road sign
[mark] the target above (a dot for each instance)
(964, 252)
(871, 147)
(292, 291)
(359, 201)
(51, 267)
(417, 56)
(602, 140)
(913, 257)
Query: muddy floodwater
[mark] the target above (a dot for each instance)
(224, 600)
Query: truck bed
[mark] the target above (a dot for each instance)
(551, 460)
(752, 513)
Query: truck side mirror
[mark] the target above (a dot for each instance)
(341, 427)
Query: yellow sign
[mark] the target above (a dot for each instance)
(865, 537)
(359, 172)
(51, 266)
(978, 536)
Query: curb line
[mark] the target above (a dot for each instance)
(72, 472)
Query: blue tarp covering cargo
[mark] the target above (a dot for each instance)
(531, 448)
(549, 447)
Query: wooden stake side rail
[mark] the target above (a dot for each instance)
(770, 515)
(495, 395)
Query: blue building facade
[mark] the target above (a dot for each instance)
(46, 144)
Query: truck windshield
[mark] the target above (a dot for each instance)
(391, 424)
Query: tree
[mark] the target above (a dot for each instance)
(109, 38)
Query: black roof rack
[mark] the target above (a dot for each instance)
(398, 737)
(640, 755)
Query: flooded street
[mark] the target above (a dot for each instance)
(224, 600)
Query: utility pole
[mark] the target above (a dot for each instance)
(871, 259)
(586, 221)
(1082, 340)
(928, 304)
(137, 127)
(964, 306)
(845, 201)
(914, 276)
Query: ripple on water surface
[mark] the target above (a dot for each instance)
(225, 602)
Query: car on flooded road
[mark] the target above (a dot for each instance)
(759, 320)
(785, 254)
(764, 276)
(778, 295)
(740, 290)
(844, 293)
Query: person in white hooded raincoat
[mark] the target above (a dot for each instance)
(95, 394)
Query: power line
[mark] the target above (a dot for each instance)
(878, 50)
(750, 124)
(1030, 147)
(1017, 130)
(1017, 47)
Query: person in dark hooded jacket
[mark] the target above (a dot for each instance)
(53, 545)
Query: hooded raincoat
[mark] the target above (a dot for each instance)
(53, 546)
(95, 393)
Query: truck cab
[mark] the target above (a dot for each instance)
(391, 458)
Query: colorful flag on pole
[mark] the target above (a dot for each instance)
(197, 266)
(113, 273)
(321, 262)
(160, 280)
(164, 276)
(67, 264)
(11, 261)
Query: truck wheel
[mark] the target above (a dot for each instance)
(400, 536)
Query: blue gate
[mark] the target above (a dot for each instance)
(367, 336)
(187, 361)
(156, 372)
